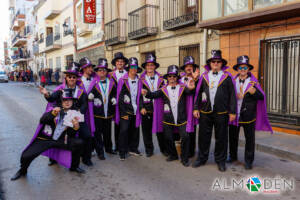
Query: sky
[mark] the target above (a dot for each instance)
(4, 25)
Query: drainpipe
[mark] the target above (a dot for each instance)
(204, 50)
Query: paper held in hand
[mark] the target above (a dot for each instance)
(71, 114)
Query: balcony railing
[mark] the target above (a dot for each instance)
(18, 40)
(52, 43)
(22, 55)
(115, 32)
(179, 13)
(57, 37)
(143, 22)
(83, 29)
(68, 32)
(41, 40)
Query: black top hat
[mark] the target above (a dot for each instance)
(67, 94)
(150, 58)
(189, 60)
(172, 70)
(85, 62)
(216, 54)
(102, 64)
(73, 68)
(243, 60)
(119, 55)
(133, 62)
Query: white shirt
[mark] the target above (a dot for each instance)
(241, 88)
(86, 83)
(104, 93)
(119, 75)
(76, 91)
(173, 96)
(152, 83)
(183, 81)
(213, 86)
(133, 92)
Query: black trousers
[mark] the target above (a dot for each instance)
(170, 141)
(220, 124)
(117, 133)
(147, 134)
(129, 135)
(86, 136)
(102, 137)
(39, 146)
(249, 132)
(192, 136)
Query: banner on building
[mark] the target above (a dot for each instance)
(89, 11)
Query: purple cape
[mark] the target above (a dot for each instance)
(206, 78)
(262, 121)
(158, 105)
(122, 81)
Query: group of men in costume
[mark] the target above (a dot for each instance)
(170, 106)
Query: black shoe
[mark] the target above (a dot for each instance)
(248, 166)
(165, 154)
(185, 163)
(122, 157)
(135, 153)
(88, 163)
(78, 170)
(52, 162)
(198, 163)
(18, 175)
(170, 159)
(149, 154)
(101, 157)
(221, 167)
(113, 152)
(231, 160)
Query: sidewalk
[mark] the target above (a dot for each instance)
(286, 146)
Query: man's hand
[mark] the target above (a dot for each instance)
(143, 111)
(232, 117)
(191, 85)
(56, 110)
(75, 123)
(44, 91)
(196, 114)
(125, 117)
(252, 90)
(240, 96)
(196, 73)
(144, 92)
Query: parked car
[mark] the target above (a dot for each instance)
(3, 77)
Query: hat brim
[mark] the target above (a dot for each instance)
(73, 73)
(81, 69)
(222, 59)
(113, 62)
(166, 76)
(145, 63)
(235, 67)
(195, 66)
(96, 68)
(139, 70)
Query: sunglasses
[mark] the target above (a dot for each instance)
(133, 67)
(72, 77)
(216, 61)
(243, 68)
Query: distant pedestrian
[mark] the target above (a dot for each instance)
(56, 76)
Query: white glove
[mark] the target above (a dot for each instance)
(91, 96)
(113, 101)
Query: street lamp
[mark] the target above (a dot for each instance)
(65, 26)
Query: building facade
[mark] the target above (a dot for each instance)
(89, 38)
(166, 28)
(271, 39)
(55, 22)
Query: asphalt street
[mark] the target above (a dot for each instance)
(136, 178)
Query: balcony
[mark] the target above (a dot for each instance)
(143, 22)
(115, 32)
(179, 14)
(35, 49)
(83, 29)
(52, 10)
(21, 56)
(19, 40)
(52, 43)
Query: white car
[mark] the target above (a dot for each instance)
(3, 77)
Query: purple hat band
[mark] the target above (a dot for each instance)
(101, 66)
(150, 61)
(189, 63)
(86, 65)
(173, 73)
(67, 97)
(216, 57)
(71, 71)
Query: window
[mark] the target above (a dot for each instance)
(69, 60)
(190, 50)
(58, 63)
(50, 63)
(191, 3)
(235, 6)
(98, 11)
(264, 3)
(211, 9)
